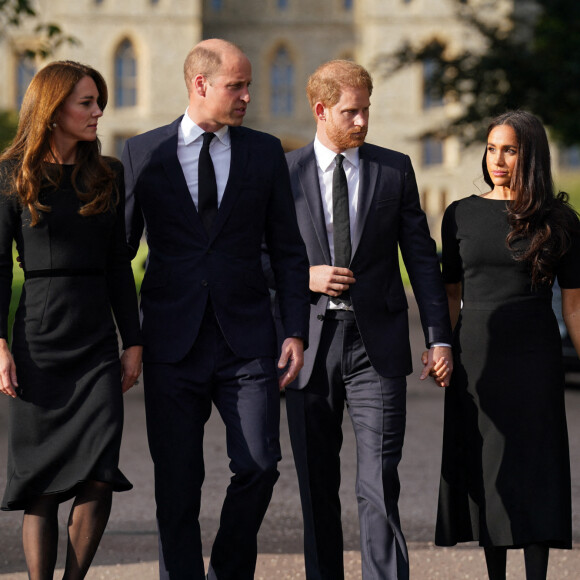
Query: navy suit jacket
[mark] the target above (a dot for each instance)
(186, 266)
(389, 217)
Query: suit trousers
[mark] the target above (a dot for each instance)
(377, 407)
(178, 402)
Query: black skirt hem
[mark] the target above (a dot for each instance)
(65, 494)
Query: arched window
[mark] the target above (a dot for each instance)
(25, 70)
(430, 97)
(125, 75)
(282, 84)
(432, 152)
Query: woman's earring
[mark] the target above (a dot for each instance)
(54, 124)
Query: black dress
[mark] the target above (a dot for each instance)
(505, 477)
(65, 426)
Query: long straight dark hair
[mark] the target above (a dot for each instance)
(535, 214)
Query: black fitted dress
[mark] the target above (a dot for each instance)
(505, 478)
(65, 426)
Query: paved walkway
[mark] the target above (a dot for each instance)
(129, 548)
(427, 563)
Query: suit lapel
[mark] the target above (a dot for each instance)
(168, 156)
(238, 163)
(310, 184)
(369, 171)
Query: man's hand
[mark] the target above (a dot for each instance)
(131, 366)
(330, 280)
(291, 355)
(437, 363)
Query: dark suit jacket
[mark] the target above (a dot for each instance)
(389, 216)
(185, 266)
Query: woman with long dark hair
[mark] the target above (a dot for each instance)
(62, 202)
(505, 478)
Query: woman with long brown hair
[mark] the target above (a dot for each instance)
(62, 202)
(505, 478)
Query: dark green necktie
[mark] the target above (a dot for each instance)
(340, 215)
(340, 218)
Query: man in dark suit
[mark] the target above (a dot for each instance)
(208, 192)
(354, 211)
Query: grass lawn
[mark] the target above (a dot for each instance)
(570, 183)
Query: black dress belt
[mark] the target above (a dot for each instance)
(60, 272)
(338, 314)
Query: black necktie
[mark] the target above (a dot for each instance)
(207, 187)
(340, 219)
(340, 215)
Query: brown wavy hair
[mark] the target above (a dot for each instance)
(535, 214)
(34, 164)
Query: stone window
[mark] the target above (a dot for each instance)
(125, 75)
(25, 70)
(432, 152)
(282, 84)
(430, 99)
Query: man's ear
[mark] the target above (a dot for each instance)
(320, 111)
(199, 85)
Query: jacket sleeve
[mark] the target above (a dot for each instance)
(134, 223)
(287, 254)
(420, 256)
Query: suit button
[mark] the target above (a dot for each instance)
(320, 317)
(204, 282)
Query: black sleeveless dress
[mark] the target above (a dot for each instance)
(66, 424)
(505, 477)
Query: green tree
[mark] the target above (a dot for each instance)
(8, 125)
(531, 61)
(14, 12)
(50, 36)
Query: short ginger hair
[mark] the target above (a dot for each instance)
(326, 83)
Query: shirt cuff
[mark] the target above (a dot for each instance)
(433, 344)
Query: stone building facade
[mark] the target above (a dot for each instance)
(140, 45)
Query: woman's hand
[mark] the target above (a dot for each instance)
(131, 366)
(8, 382)
(437, 363)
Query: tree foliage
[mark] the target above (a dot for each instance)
(8, 125)
(13, 13)
(533, 63)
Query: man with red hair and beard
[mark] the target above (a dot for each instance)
(357, 204)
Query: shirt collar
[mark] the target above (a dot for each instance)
(325, 157)
(192, 132)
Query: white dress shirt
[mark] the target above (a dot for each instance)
(189, 141)
(325, 164)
